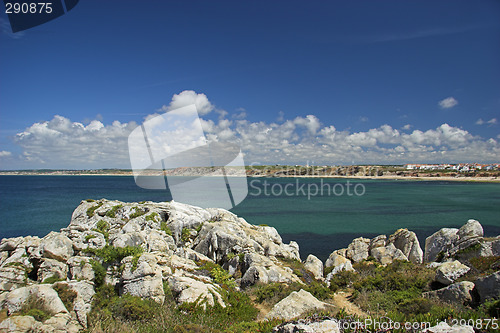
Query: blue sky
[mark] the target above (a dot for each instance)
(291, 81)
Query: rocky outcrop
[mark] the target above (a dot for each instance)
(315, 266)
(443, 327)
(459, 293)
(447, 242)
(488, 287)
(171, 243)
(448, 272)
(296, 304)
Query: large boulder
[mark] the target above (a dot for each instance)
(20, 324)
(336, 258)
(449, 242)
(263, 269)
(407, 242)
(449, 271)
(459, 293)
(296, 304)
(43, 294)
(143, 277)
(186, 289)
(51, 268)
(488, 287)
(315, 266)
(387, 254)
(57, 246)
(358, 249)
(438, 243)
(80, 268)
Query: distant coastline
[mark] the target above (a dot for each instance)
(349, 172)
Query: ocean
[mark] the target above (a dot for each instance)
(319, 221)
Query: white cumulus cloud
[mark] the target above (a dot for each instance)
(448, 103)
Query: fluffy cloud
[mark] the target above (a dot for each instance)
(448, 103)
(491, 122)
(4, 153)
(61, 142)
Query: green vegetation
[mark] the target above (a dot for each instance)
(53, 279)
(152, 216)
(112, 212)
(198, 228)
(89, 200)
(111, 313)
(102, 227)
(135, 261)
(164, 227)
(89, 237)
(271, 293)
(185, 235)
(219, 274)
(137, 212)
(91, 210)
(35, 308)
(99, 273)
(469, 249)
(66, 295)
(110, 254)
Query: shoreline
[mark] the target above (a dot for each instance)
(490, 179)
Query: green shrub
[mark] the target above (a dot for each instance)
(137, 212)
(135, 260)
(91, 210)
(219, 274)
(66, 295)
(35, 308)
(198, 228)
(131, 307)
(110, 254)
(164, 227)
(485, 265)
(185, 235)
(152, 216)
(89, 200)
(99, 273)
(89, 237)
(112, 212)
(103, 228)
(53, 279)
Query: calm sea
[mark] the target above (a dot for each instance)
(320, 223)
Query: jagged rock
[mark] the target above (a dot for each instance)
(358, 249)
(322, 326)
(347, 266)
(52, 268)
(295, 305)
(408, 243)
(135, 238)
(449, 242)
(386, 255)
(143, 277)
(378, 241)
(459, 292)
(12, 276)
(439, 242)
(88, 239)
(489, 248)
(315, 266)
(59, 323)
(80, 268)
(265, 270)
(19, 324)
(83, 302)
(488, 287)
(10, 244)
(159, 241)
(187, 289)
(57, 246)
(448, 272)
(443, 327)
(336, 258)
(42, 293)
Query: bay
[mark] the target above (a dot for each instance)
(320, 221)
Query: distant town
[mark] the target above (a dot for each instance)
(460, 171)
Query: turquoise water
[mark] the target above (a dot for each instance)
(36, 205)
